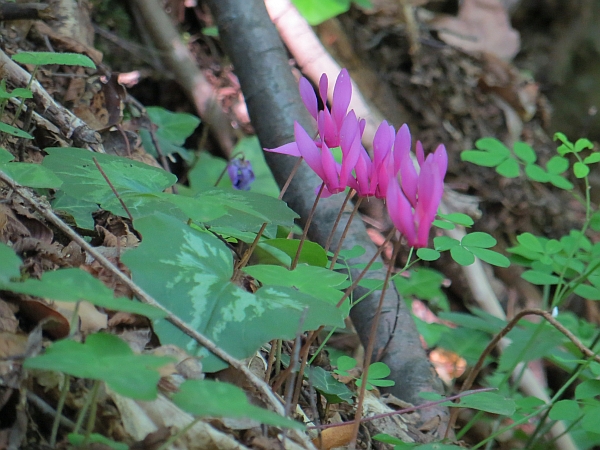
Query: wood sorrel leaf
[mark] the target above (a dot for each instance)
(191, 277)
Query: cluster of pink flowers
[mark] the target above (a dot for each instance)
(412, 202)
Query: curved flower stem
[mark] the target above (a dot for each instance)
(306, 226)
(350, 194)
(371, 347)
(339, 248)
(242, 262)
(367, 267)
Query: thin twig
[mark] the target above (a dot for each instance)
(306, 226)
(405, 410)
(113, 188)
(339, 247)
(337, 220)
(371, 347)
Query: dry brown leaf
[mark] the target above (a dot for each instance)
(481, 26)
(8, 321)
(334, 437)
(90, 319)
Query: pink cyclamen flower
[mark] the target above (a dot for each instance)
(337, 128)
(413, 203)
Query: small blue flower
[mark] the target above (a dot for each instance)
(241, 174)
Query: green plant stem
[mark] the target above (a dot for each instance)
(337, 219)
(59, 407)
(167, 444)
(306, 226)
(20, 107)
(367, 267)
(371, 347)
(88, 401)
(405, 410)
(93, 410)
(339, 248)
(242, 263)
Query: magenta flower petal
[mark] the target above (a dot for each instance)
(400, 212)
(308, 97)
(441, 158)
(382, 144)
(330, 170)
(350, 158)
(402, 145)
(286, 149)
(409, 179)
(362, 170)
(308, 150)
(323, 86)
(420, 154)
(342, 92)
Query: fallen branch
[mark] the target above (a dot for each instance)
(180, 61)
(69, 125)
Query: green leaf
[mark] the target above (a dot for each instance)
(490, 257)
(378, 370)
(104, 357)
(140, 205)
(311, 280)
(487, 401)
(5, 156)
(444, 225)
(10, 264)
(462, 256)
(428, 254)
(492, 145)
(557, 165)
(536, 173)
(345, 363)
(582, 144)
(13, 131)
(524, 152)
(31, 175)
(354, 252)
(530, 242)
(172, 129)
(587, 389)
(560, 182)
(558, 136)
(312, 254)
(564, 410)
(73, 285)
(589, 422)
(247, 211)
(334, 391)
(459, 218)
(580, 169)
(443, 243)
(95, 438)
(208, 398)
(318, 11)
(82, 179)
(588, 292)
(540, 278)
(22, 93)
(191, 277)
(509, 168)
(80, 210)
(593, 158)
(64, 59)
(478, 239)
(423, 283)
(483, 158)
(210, 31)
